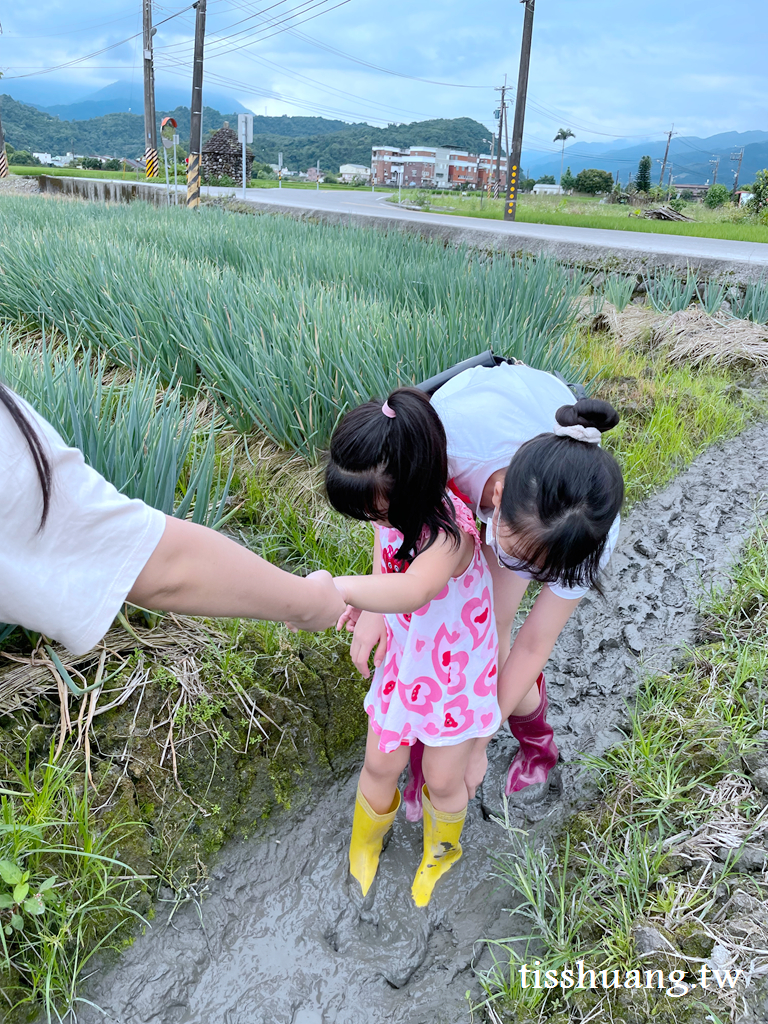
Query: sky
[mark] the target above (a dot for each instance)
(606, 70)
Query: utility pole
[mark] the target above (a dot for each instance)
(3, 154)
(196, 111)
(715, 161)
(150, 123)
(3, 157)
(489, 183)
(501, 125)
(737, 156)
(670, 133)
(513, 158)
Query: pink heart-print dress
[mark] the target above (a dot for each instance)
(437, 682)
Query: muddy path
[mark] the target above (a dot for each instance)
(283, 938)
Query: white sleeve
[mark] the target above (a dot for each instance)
(68, 579)
(572, 593)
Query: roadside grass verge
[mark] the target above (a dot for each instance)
(667, 871)
(729, 223)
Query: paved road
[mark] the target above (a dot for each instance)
(623, 250)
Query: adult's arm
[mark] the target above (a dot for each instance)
(196, 571)
(532, 647)
(370, 631)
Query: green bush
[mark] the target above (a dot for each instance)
(717, 195)
(759, 202)
(593, 180)
(21, 158)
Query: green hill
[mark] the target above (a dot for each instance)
(302, 140)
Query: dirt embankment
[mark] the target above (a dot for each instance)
(284, 940)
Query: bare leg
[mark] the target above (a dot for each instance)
(379, 775)
(444, 769)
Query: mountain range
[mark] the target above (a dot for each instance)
(689, 157)
(302, 140)
(109, 122)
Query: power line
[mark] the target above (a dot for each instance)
(96, 53)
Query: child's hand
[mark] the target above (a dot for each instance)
(349, 618)
(370, 635)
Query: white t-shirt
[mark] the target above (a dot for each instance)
(68, 579)
(488, 413)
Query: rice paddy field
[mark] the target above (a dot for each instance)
(201, 363)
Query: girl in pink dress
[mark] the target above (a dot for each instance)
(436, 681)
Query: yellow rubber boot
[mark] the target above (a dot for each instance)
(442, 831)
(368, 831)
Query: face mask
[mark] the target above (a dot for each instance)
(505, 561)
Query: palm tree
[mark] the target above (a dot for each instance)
(562, 135)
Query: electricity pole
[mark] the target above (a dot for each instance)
(670, 133)
(150, 123)
(501, 126)
(3, 157)
(737, 156)
(715, 161)
(196, 111)
(513, 158)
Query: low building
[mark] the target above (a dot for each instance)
(354, 172)
(547, 190)
(66, 160)
(44, 158)
(431, 167)
(697, 191)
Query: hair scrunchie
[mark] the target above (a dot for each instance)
(590, 435)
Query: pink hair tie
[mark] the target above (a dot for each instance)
(388, 410)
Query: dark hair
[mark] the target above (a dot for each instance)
(561, 497)
(393, 468)
(42, 465)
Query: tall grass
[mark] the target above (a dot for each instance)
(78, 895)
(287, 324)
(146, 442)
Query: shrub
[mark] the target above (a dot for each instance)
(593, 180)
(546, 179)
(677, 204)
(567, 181)
(112, 165)
(92, 163)
(759, 201)
(717, 195)
(22, 158)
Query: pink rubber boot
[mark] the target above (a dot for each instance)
(538, 754)
(412, 791)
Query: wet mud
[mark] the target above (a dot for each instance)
(282, 938)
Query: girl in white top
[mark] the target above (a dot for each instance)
(524, 455)
(74, 549)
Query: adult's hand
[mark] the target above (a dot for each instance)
(196, 571)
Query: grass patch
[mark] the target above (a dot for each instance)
(670, 414)
(663, 873)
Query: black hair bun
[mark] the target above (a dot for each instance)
(588, 412)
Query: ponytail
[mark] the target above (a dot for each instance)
(562, 493)
(389, 461)
(39, 457)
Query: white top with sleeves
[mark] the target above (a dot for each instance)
(68, 579)
(488, 413)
